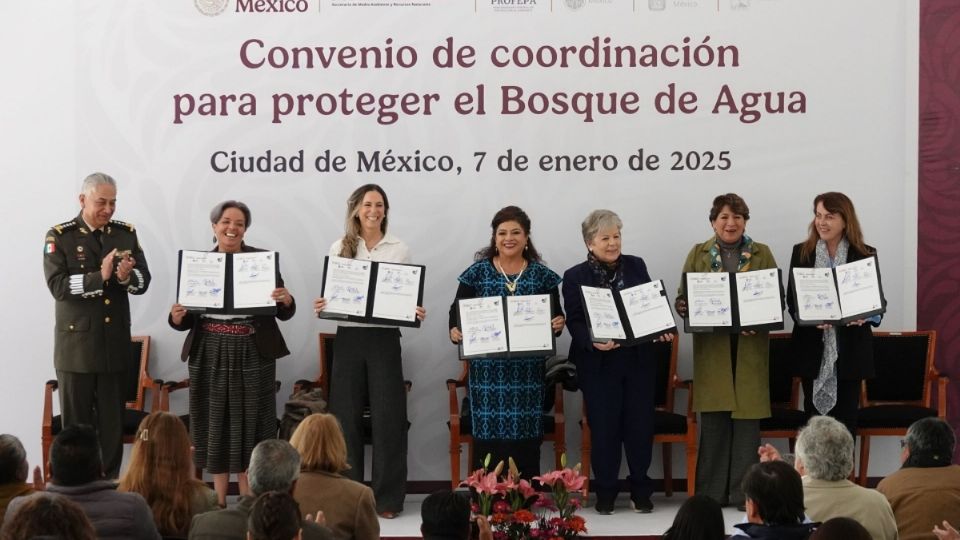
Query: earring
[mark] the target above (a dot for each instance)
(526, 247)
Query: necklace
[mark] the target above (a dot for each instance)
(511, 285)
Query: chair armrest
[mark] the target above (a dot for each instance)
(454, 405)
(942, 396)
(155, 387)
(170, 386)
(558, 416)
(47, 420)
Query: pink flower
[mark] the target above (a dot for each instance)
(572, 480)
(549, 478)
(526, 490)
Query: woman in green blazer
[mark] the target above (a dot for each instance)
(730, 372)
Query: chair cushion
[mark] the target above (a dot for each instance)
(669, 423)
(892, 416)
(782, 419)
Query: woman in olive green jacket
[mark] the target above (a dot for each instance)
(730, 372)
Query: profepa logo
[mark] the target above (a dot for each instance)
(216, 7)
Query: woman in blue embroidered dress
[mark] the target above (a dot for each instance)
(506, 394)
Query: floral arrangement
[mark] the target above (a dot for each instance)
(517, 510)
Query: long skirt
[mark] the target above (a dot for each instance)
(232, 401)
(506, 405)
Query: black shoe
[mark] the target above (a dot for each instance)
(604, 508)
(641, 505)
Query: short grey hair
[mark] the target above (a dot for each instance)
(825, 447)
(92, 181)
(274, 466)
(932, 436)
(597, 221)
(13, 460)
(222, 207)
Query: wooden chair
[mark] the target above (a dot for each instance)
(136, 382)
(902, 391)
(786, 416)
(668, 426)
(326, 358)
(461, 424)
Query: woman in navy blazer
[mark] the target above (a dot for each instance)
(617, 382)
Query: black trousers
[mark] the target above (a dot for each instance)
(847, 408)
(618, 388)
(367, 366)
(728, 447)
(96, 399)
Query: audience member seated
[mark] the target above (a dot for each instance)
(348, 506)
(13, 471)
(840, 528)
(825, 460)
(275, 516)
(446, 516)
(78, 475)
(774, 494)
(699, 518)
(161, 470)
(48, 516)
(926, 490)
(274, 466)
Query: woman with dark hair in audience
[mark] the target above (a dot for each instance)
(617, 382)
(232, 366)
(774, 500)
(161, 470)
(730, 371)
(841, 528)
(699, 518)
(832, 360)
(348, 506)
(368, 362)
(506, 394)
(275, 516)
(51, 516)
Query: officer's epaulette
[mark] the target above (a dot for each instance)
(65, 226)
(123, 224)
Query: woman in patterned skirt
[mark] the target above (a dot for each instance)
(506, 394)
(232, 368)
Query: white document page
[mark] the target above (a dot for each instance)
(528, 318)
(396, 292)
(483, 326)
(816, 291)
(708, 299)
(758, 297)
(254, 279)
(647, 309)
(602, 311)
(202, 279)
(345, 286)
(858, 286)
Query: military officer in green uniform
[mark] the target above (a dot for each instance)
(92, 263)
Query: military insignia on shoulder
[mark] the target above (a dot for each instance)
(122, 224)
(65, 226)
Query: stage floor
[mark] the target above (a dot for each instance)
(623, 523)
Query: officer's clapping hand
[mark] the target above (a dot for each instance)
(106, 267)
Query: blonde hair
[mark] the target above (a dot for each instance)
(161, 470)
(351, 236)
(320, 442)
